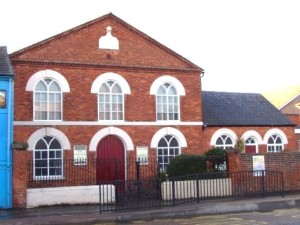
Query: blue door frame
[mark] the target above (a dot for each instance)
(6, 139)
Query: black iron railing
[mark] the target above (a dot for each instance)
(134, 194)
(67, 172)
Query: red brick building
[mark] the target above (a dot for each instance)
(106, 90)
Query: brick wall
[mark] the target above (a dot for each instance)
(287, 163)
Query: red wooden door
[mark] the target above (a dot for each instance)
(110, 159)
(250, 149)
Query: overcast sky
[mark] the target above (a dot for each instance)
(243, 45)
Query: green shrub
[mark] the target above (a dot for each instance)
(216, 158)
(186, 164)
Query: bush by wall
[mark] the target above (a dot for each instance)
(186, 164)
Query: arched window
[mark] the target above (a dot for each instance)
(167, 103)
(47, 100)
(168, 148)
(275, 143)
(48, 158)
(110, 101)
(224, 141)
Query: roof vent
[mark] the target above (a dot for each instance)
(108, 41)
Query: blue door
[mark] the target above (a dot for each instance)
(6, 114)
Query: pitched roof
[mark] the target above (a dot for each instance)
(240, 109)
(5, 65)
(282, 96)
(49, 42)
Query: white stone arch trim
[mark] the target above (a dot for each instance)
(167, 79)
(168, 131)
(220, 132)
(277, 131)
(48, 131)
(36, 77)
(110, 76)
(254, 134)
(126, 139)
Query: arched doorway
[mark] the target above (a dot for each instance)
(110, 159)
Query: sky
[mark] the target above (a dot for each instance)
(243, 45)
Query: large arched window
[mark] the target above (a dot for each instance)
(168, 147)
(167, 103)
(275, 143)
(47, 100)
(110, 101)
(48, 159)
(224, 141)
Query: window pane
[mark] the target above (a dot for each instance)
(41, 144)
(172, 91)
(54, 87)
(219, 141)
(104, 89)
(161, 90)
(55, 144)
(116, 89)
(41, 86)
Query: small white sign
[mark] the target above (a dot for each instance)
(142, 154)
(80, 154)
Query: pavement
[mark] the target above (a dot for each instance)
(90, 214)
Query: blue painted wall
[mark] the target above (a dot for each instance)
(6, 139)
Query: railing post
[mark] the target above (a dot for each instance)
(173, 192)
(263, 172)
(197, 188)
(282, 184)
(138, 178)
(100, 205)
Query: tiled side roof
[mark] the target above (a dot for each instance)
(240, 109)
(5, 64)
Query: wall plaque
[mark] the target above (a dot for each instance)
(80, 154)
(142, 154)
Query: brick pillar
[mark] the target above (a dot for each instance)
(234, 162)
(20, 176)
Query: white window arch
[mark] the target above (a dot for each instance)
(224, 141)
(168, 131)
(168, 148)
(48, 158)
(47, 100)
(223, 137)
(275, 139)
(48, 87)
(110, 101)
(167, 79)
(126, 139)
(47, 146)
(167, 103)
(110, 76)
(275, 143)
(251, 145)
(48, 131)
(168, 91)
(43, 74)
(252, 140)
(110, 88)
